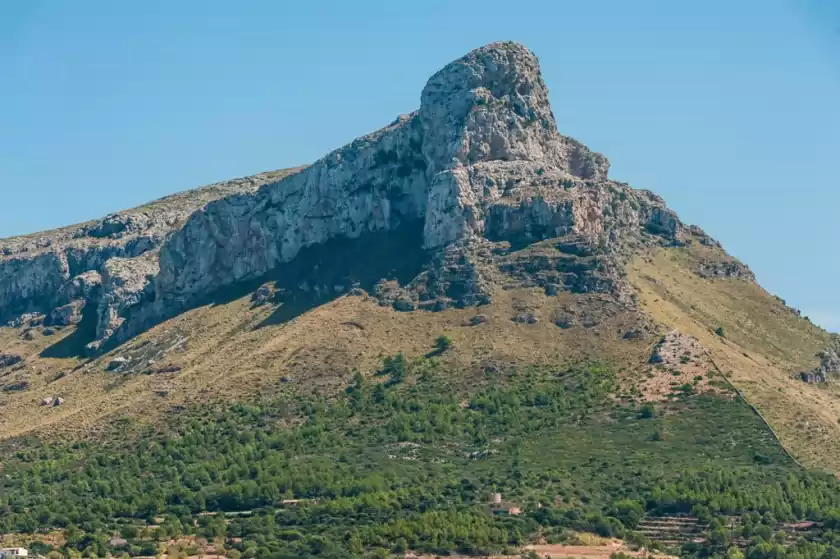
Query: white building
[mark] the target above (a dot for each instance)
(9, 552)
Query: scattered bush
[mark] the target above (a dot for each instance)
(442, 343)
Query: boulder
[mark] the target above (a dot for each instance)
(27, 319)
(262, 296)
(404, 305)
(564, 320)
(478, 319)
(829, 367)
(812, 377)
(66, 315)
(633, 334)
(9, 359)
(525, 318)
(116, 363)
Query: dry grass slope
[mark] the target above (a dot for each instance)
(226, 351)
(765, 345)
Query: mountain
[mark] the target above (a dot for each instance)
(460, 302)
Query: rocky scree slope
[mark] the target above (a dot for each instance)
(480, 165)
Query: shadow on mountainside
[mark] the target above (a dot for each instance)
(322, 273)
(74, 344)
(325, 272)
(318, 275)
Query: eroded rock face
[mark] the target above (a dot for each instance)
(66, 315)
(487, 123)
(481, 165)
(480, 160)
(84, 286)
(373, 184)
(125, 282)
(57, 273)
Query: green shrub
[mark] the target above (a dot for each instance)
(647, 411)
(394, 367)
(628, 511)
(442, 343)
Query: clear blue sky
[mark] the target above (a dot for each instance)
(730, 110)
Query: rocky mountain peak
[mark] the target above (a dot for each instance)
(490, 105)
(480, 168)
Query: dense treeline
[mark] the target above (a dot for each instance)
(408, 459)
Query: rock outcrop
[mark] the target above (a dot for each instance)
(9, 359)
(125, 282)
(481, 164)
(829, 367)
(680, 366)
(58, 273)
(675, 349)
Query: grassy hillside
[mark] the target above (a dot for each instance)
(763, 347)
(408, 458)
(278, 421)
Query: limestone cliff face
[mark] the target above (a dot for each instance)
(58, 273)
(372, 184)
(481, 163)
(490, 106)
(482, 158)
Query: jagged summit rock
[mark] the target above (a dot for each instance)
(492, 105)
(487, 121)
(480, 166)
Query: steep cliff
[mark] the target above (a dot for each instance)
(480, 163)
(59, 273)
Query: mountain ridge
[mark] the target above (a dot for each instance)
(483, 152)
(455, 334)
(471, 199)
